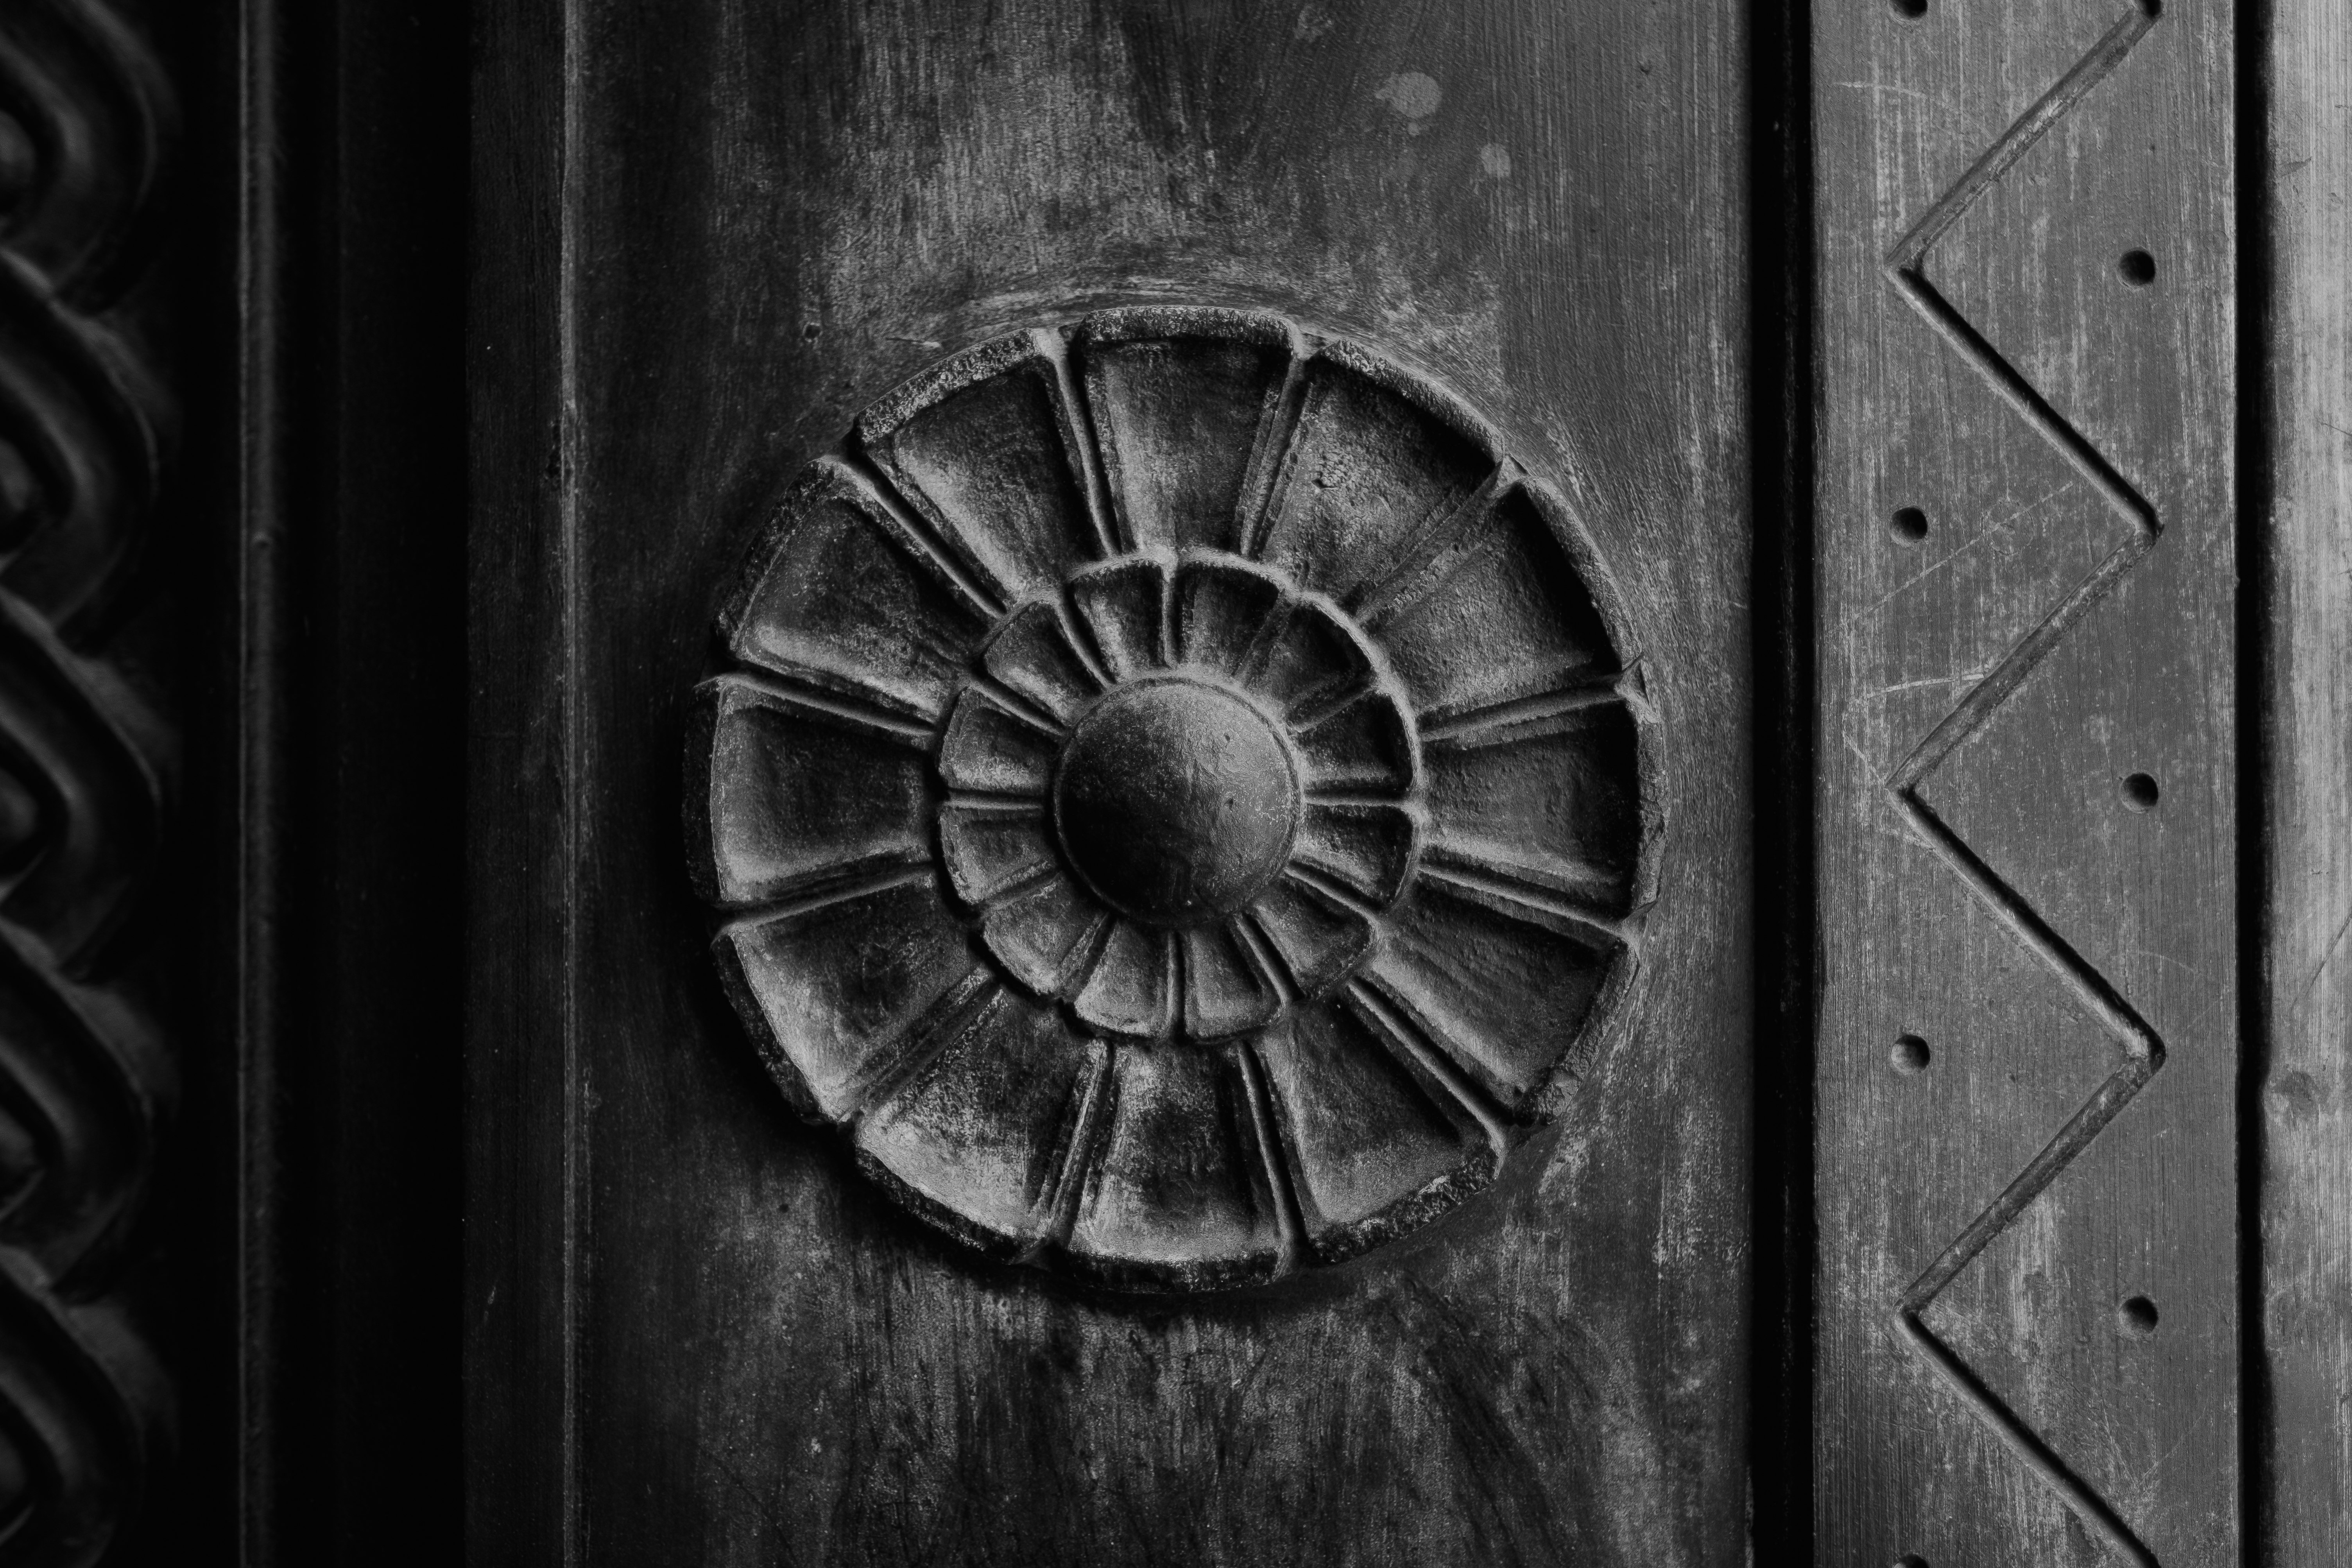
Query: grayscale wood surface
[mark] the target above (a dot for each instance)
(2027, 1154)
(2304, 1498)
(708, 235)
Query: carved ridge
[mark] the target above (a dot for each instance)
(2143, 1051)
(84, 423)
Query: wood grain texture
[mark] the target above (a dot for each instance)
(710, 234)
(2026, 1169)
(522, 1499)
(2304, 1498)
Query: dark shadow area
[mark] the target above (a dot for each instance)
(309, 1198)
(1780, 432)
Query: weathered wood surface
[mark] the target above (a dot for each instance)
(2027, 1079)
(710, 234)
(2302, 1499)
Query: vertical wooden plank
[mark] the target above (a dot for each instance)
(2304, 1493)
(519, 1176)
(781, 212)
(2027, 1072)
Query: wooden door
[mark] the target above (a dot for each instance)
(1182, 781)
(1392, 783)
(1184, 569)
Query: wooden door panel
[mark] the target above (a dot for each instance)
(731, 228)
(2027, 1160)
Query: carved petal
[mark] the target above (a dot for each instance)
(980, 448)
(1367, 744)
(1317, 660)
(1318, 939)
(979, 1136)
(988, 749)
(796, 797)
(1180, 1194)
(1502, 986)
(835, 987)
(1225, 992)
(1033, 656)
(1560, 801)
(1042, 935)
(1374, 1149)
(844, 595)
(1129, 992)
(1222, 608)
(1366, 848)
(989, 848)
(1367, 472)
(1178, 418)
(1122, 604)
(1511, 602)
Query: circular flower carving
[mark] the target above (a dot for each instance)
(1177, 801)
(1178, 796)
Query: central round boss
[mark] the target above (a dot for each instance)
(1176, 800)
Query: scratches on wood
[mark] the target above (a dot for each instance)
(2301, 1339)
(769, 216)
(2046, 1426)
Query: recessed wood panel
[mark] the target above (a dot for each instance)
(713, 233)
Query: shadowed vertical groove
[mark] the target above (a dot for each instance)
(2257, 1439)
(2143, 1052)
(260, 751)
(1274, 1153)
(1781, 420)
(1269, 464)
(1103, 518)
(1097, 1100)
(576, 1173)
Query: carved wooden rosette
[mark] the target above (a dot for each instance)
(1179, 799)
(83, 120)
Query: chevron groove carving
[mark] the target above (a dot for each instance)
(85, 117)
(2143, 1052)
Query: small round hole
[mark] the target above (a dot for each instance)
(2140, 793)
(1909, 524)
(1909, 1054)
(2136, 267)
(1910, 1560)
(1909, 10)
(2136, 1317)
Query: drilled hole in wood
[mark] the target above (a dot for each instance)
(1909, 10)
(1909, 524)
(2136, 267)
(2136, 1317)
(1909, 1054)
(2140, 791)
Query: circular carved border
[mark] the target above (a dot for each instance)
(1178, 800)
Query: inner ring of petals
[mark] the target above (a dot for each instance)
(1176, 801)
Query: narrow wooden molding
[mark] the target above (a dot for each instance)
(2299, 501)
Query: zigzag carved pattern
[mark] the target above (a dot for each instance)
(85, 117)
(2143, 1052)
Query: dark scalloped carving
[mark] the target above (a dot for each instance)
(1179, 800)
(83, 119)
